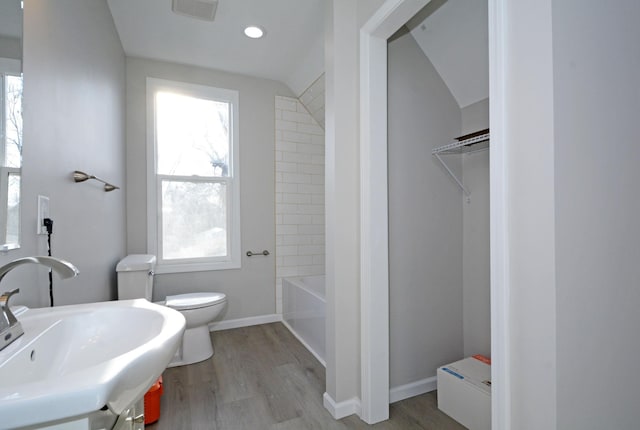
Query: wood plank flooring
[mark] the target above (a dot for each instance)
(262, 378)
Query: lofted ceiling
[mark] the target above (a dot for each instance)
(291, 52)
(454, 35)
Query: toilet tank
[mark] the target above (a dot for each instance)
(135, 276)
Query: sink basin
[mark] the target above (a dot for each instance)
(74, 360)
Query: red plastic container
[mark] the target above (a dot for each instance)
(152, 402)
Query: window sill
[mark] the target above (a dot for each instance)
(195, 267)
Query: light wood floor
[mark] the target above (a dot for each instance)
(261, 377)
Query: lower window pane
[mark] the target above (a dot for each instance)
(194, 220)
(13, 209)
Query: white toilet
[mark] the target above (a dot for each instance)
(135, 281)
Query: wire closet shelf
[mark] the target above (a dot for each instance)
(468, 144)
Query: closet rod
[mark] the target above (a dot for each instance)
(459, 147)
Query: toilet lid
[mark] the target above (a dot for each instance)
(194, 300)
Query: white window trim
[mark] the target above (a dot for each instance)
(233, 261)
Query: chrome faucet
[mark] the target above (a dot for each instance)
(10, 327)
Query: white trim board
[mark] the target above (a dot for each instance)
(413, 389)
(342, 409)
(244, 322)
(374, 271)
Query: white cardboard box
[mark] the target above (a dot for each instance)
(464, 392)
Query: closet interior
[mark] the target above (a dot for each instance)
(438, 190)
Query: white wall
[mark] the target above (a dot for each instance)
(476, 276)
(596, 112)
(299, 194)
(425, 219)
(251, 289)
(343, 19)
(73, 120)
(523, 265)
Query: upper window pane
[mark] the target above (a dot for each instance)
(193, 136)
(13, 121)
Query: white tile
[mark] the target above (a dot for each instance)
(284, 146)
(310, 229)
(300, 220)
(286, 209)
(311, 129)
(285, 250)
(318, 239)
(309, 188)
(288, 229)
(286, 188)
(298, 239)
(295, 178)
(298, 117)
(297, 157)
(287, 271)
(297, 260)
(310, 148)
(311, 249)
(293, 136)
(314, 169)
(318, 260)
(318, 219)
(296, 198)
(286, 103)
(317, 198)
(311, 209)
(318, 140)
(317, 179)
(282, 166)
(286, 125)
(317, 159)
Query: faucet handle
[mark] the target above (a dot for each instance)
(4, 298)
(9, 317)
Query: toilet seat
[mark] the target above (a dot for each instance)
(181, 302)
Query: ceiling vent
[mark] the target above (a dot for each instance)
(200, 9)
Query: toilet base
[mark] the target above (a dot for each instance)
(195, 347)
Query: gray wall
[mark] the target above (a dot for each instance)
(477, 282)
(10, 47)
(597, 107)
(251, 289)
(74, 70)
(425, 219)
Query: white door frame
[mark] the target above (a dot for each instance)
(392, 15)
(374, 237)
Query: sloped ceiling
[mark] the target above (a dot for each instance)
(454, 36)
(452, 33)
(292, 51)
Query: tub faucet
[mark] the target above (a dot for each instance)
(10, 327)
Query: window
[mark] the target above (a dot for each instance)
(194, 198)
(10, 152)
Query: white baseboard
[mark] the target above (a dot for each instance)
(342, 409)
(413, 389)
(244, 322)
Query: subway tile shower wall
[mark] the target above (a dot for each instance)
(299, 158)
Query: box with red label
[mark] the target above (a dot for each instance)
(464, 392)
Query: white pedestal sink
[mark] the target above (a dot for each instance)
(74, 360)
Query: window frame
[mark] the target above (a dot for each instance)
(154, 180)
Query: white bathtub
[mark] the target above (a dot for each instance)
(303, 311)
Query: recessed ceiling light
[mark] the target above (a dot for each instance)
(254, 32)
